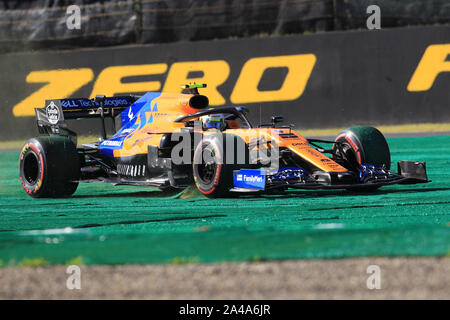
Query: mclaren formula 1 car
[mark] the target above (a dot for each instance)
(176, 140)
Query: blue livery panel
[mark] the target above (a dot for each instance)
(129, 118)
(249, 179)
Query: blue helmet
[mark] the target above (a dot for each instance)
(216, 121)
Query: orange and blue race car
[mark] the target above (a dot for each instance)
(176, 140)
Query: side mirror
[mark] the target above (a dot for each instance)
(277, 119)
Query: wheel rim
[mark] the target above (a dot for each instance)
(350, 157)
(346, 156)
(207, 171)
(31, 168)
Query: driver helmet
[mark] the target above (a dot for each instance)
(216, 121)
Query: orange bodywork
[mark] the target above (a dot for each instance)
(169, 107)
(292, 140)
(160, 120)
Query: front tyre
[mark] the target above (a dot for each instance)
(360, 145)
(49, 166)
(212, 169)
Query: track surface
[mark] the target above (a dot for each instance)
(104, 224)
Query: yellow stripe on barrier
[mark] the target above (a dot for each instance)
(389, 129)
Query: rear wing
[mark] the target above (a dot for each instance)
(51, 118)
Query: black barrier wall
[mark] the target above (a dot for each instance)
(40, 24)
(395, 76)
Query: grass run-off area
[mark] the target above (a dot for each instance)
(105, 224)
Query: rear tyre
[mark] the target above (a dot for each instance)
(213, 169)
(360, 145)
(49, 166)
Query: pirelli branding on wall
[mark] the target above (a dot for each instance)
(64, 82)
(325, 80)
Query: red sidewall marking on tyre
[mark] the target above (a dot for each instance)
(41, 164)
(354, 147)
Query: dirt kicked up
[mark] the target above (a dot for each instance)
(105, 224)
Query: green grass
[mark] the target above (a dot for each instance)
(105, 224)
(78, 261)
(183, 260)
(33, 262)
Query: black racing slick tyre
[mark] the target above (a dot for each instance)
(360, 145)
(49, 166)
(213, 168)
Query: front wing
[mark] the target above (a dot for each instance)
(368, 177)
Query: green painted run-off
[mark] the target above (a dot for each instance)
(104, 224)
